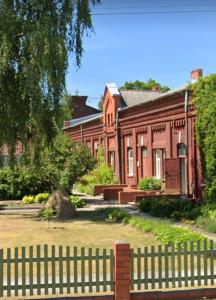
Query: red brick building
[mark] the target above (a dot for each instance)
(145, 134)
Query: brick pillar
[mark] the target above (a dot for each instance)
(122, 275)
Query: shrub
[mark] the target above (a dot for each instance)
(28, 199)
(145, 205)
(148, 184)
(168, 207)
(20, 181)
(103, 174)
(47, 213)
(78, 202)
(42, 197)
(118, 215)
(59, 167)
(85, 188)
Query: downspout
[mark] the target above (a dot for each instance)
(117, 144)
(186, 141)
(81, 132)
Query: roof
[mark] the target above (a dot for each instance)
(159, 96)
(83, 120)
(134, 97)
(130, 98)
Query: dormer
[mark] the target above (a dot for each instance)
(111, 104)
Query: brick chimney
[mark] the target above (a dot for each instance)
(196, 74)
(155, 88)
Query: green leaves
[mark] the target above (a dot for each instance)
(204, 92)
(36, 39)
(140, 85)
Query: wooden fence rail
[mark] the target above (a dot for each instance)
(55, 270)
(50, 270)
(191, 264)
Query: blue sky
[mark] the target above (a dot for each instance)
(165, 47)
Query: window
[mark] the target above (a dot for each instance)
(159, 157)
(158, 164)
(112, 159)
(181, 150)
(144, 152)
(130, 162)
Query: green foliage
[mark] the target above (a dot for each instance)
(168, 207)
(163, 230)
(118, 215)
(207, 219)
(20, 181)
(150, 184)
(102, 174)
(47, 213)
(140, 85)
(77, 201)
(36, 39)
(42, 197)
(100, 103)
(61, 165)
(28, 199)
(204, 94)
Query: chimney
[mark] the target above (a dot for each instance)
(196, 74)
(155, 88)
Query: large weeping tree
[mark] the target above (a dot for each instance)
(36, 39)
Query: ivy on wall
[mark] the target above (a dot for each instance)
(204, 95)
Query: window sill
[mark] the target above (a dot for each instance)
(130, 176)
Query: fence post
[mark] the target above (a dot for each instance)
(122, 272)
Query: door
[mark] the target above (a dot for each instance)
(172, 176)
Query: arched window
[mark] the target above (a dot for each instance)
(181, 150)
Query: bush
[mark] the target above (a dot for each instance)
(47, 213)
(20, 181)
(148, 184)
(168, 207)
(78, 202)
(28, 199)
(118, 215)
(103, 174)
(60, 167)
(42, 197)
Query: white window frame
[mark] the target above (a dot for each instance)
(158, 163)
(130, 162)
(112, 159)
